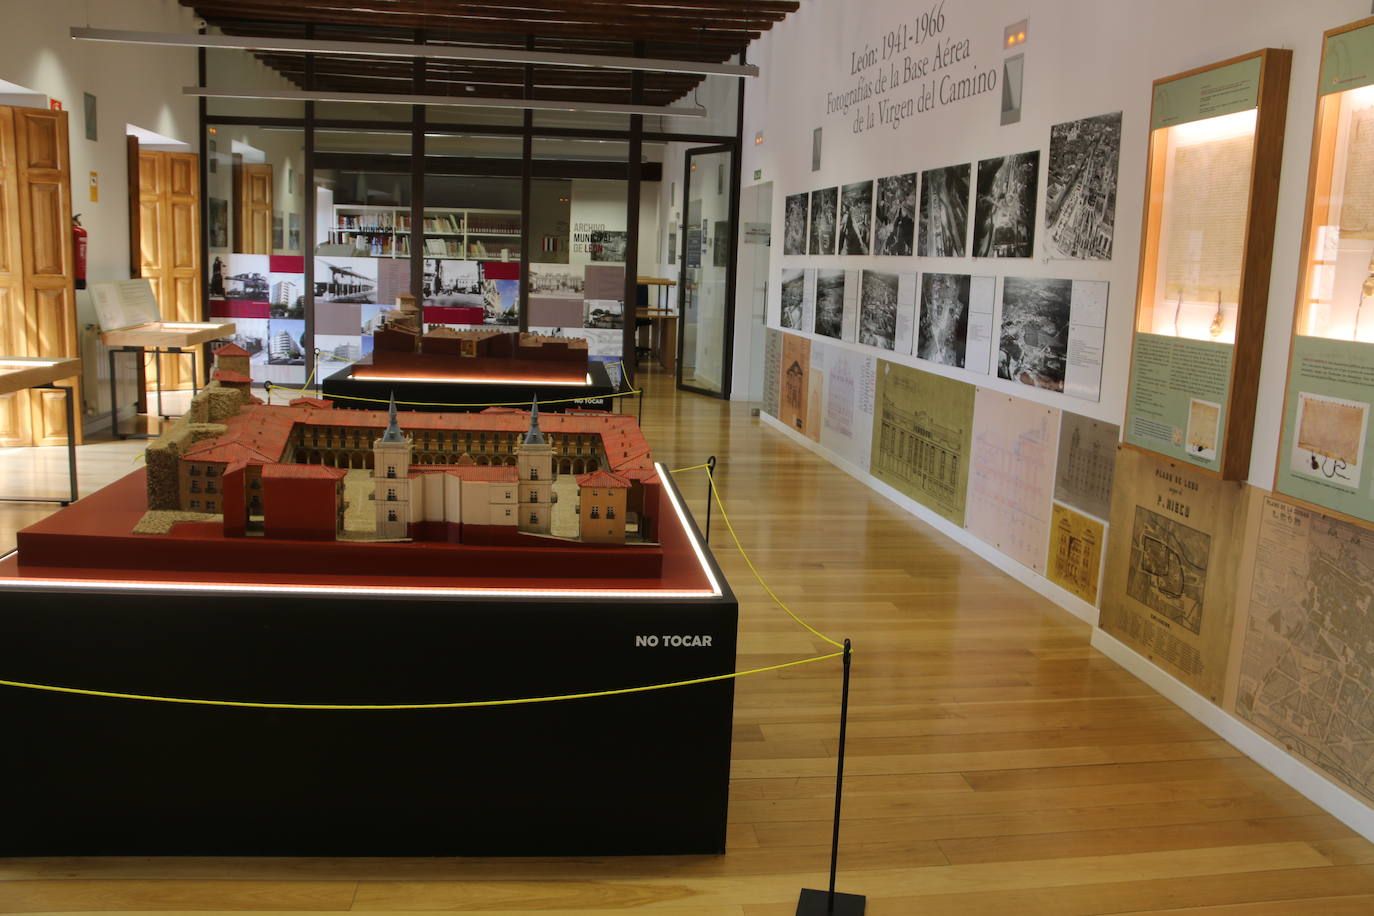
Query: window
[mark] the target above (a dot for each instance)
(195, 486)
(195, 504)
(508, 497)
(534, 519)
(195, 471)
(534, 473)
(211, 470)
(391, 515)
(610, 511)
(507, 513)
(391, 470)
(596, 512)
(255, 484)
(210, 487)
(210, 506)
(391, 495)
(534, 496)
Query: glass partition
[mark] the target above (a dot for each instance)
(702, 364)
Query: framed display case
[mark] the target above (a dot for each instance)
(1216, 143)
(1324, 450)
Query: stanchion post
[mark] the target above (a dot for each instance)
(830, 903)
(710, 490)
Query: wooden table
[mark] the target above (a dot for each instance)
(18, 373)
(160, 337)
(663, 335)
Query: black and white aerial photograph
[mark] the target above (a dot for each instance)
(1035, 331)
(944, 211)
(856, 217)
(1004, 207)
(830, 303)
(823, 212)
(793, 293)
(894, 222)
(878, 309)
(1080, 188)
(942, 335)
(794, 224)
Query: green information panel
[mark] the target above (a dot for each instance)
(1326, 426)
(1224, 90)
(1179, 389)
(922, 433)
(1348, 61)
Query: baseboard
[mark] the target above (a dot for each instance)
(1340, 804)
(1027, 577)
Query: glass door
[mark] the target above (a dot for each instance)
(704, 346)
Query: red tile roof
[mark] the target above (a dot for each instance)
(603, 479)
(230, 349)
(259, 434)
(301, 472)
(312, 402)
(232, 377)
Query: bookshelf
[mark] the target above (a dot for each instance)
(463, 233)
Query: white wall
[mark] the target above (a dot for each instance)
(132, 84)
(1077, 64)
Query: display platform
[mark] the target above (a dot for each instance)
(592, 392)
(642, 773)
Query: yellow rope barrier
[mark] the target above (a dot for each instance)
(750, 563)
(462, 704)
(470, 704)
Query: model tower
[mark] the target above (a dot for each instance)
(391, 478)
(534, 464)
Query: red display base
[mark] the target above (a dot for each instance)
(91, 541)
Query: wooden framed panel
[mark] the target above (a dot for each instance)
(1216, 145)
(169, 243)
(14, 406)
(43, 186)
(1325, 450)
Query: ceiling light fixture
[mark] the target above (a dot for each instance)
(434, 52)
(302, 95)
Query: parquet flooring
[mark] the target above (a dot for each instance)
(997, 764)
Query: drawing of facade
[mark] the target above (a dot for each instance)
(915, 448)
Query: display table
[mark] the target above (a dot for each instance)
(18, 373)
(437, 395)
(639, 773)
(663, 338)
(160, 337)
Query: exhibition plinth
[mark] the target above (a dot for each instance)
(418, 391)
(634, 773)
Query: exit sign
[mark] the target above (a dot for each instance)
(758, 174)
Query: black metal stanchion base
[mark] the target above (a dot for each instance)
(818, 903)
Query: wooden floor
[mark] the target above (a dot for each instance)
(997, 764)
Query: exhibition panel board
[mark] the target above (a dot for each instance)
(633, 773)
(1211, 192)
(1324, 449)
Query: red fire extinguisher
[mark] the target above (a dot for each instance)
(79, 251)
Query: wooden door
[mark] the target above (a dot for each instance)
(169, 244)
(14, 407)
(252, 208)
(43, 185)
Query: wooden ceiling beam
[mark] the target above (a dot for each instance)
(648, 29)
(388, 68)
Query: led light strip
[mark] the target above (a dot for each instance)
(587, 380)
(395, 49)
(107, 585)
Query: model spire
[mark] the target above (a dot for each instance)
(534, 436)
(393, 429)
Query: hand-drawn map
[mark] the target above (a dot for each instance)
(1307, 664)
(1168, 571)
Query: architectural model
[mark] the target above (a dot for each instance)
(238, 470)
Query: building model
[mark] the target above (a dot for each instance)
(401, 351)
(237, 471)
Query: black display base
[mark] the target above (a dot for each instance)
(418, 395)
(818, 903)
(643, 773)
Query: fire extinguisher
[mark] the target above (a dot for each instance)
(79, 251)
